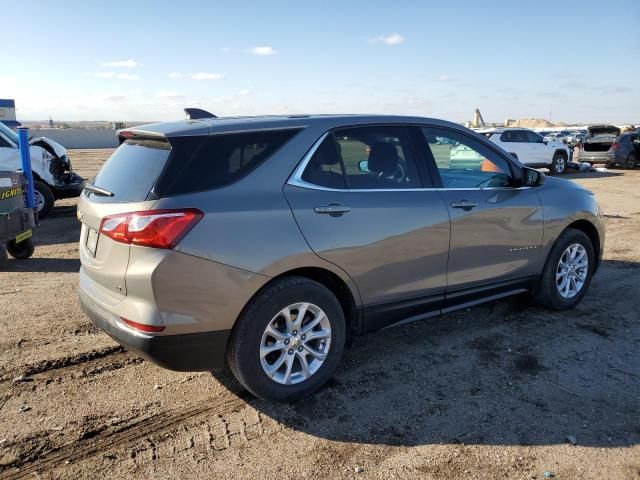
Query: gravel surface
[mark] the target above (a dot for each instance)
(504, 390)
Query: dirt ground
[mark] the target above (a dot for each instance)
(497, 391)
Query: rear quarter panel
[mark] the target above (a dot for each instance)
(249, 225)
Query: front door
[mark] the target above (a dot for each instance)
(496, 227)
(360, 203)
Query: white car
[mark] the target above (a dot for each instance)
(530, 148)
(52, 174)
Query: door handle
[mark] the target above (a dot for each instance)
(464, 204)
(333, 209)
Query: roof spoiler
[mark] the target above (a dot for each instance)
(198, 113)
(132, 133)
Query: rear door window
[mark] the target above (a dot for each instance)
(515, 136)
(378, 157)
(132, 170)
(325, 167)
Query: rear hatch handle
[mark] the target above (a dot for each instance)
(98, 190)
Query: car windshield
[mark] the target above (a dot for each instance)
(13, 136)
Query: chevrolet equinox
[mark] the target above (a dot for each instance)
(263, 243)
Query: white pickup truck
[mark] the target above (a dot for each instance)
(530, 148)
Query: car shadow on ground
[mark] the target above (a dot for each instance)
(505, 373)
(51, 265)
(573, 175)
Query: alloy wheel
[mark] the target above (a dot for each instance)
(572, 270)
(39, 200)
(295, 343)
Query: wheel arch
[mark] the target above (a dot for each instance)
(335, 284)
(562, 152)
(590, 231)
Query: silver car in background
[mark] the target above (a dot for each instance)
(595, 147)
(263, 243)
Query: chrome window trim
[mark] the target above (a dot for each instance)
(311, 186)
(296, 179)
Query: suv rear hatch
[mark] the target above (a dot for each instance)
(600, 138)
(127, 179)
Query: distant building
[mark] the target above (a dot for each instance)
(8, 112)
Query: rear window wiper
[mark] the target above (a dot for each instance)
(98, 190)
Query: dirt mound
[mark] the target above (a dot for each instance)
(532, 123)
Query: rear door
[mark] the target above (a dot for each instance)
(515, 141)
(129, 174)
(496, 228)
(361, 204)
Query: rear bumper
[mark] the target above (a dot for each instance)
(191, 352)
(592, 157)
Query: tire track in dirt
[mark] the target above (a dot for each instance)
(103, 441)
(69, 361)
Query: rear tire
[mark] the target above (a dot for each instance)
(44, 198)
(549, 292)
(630, 162)
(262, 327)
(22, 250)
(558, 164)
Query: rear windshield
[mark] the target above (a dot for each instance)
(132, 170)
(218, 160)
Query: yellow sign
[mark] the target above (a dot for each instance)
(23, 236)
(12, 192)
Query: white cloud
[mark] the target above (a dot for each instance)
(262, 51)
(171, 95)
(127, 76)
(206, 76)
(393, 39)
(114, 98)
(445, 78)
(174, 75)
(244, 92)
(225, 49)
(121, 63)
(117, 76)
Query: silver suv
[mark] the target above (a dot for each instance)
(263, 243)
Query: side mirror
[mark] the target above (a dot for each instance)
(363, 165)
(532, 177)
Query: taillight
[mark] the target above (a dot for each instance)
(142, 327)
(151, 228)
(615, 146)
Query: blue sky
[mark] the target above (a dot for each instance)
(144, 60)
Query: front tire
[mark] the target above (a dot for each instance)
(22, 250)
(288, 341)
(567, 272)
(44, 198)
(558, 164)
